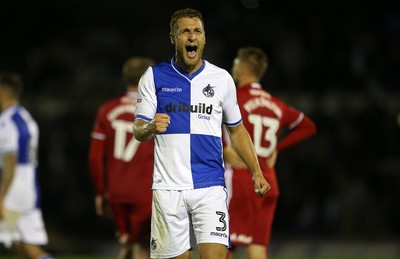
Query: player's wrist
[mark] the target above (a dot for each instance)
(145, 131)
(257, 173)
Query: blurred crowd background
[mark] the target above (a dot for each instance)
(338, 61)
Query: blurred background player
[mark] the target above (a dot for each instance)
(121, 167)
(264, 116)
(21, 222)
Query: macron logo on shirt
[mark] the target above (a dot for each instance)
(172, 90)
(183, 107)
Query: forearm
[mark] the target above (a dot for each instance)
(96, 165)
(98, 181)
(232, 158)
(292, 139)
(244, 147)
(9, 163)
(143, 130)
(301, 132)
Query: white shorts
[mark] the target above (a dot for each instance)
(27, 228)
(23, 193)
(175, 212)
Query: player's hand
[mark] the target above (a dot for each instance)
(102, 206)
(271, 161)
(160, 122)
(261, 186)
(98, 203)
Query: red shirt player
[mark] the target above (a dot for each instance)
(264, 116)
(121, 167)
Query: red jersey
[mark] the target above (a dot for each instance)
(120, 166)
(264, 116)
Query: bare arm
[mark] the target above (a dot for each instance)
(236, 162)
(233, 158)
(144, 130)
(9, 163)
(243, 145)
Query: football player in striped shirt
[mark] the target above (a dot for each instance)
(182, 104)
(21, 221)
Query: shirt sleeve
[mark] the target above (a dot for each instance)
(146, 106)
(96, 165)
(8, 138)
(299, 128)
(97, 153)
(232, 115)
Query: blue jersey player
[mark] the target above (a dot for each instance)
(182, 103)
(21, 221)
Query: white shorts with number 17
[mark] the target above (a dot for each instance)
(176, 212)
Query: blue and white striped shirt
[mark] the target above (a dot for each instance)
(189, 154)
(19, 134)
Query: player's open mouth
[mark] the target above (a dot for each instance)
(191, 51)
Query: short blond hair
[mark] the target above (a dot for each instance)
(184, 13)
(134, 68)
(255, 58)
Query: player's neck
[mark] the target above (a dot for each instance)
(247, 80)
(187, 68)
(8, 103)
(132, 88)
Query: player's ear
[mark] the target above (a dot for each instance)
(171, 38)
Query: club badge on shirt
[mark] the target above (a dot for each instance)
(208, 91)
